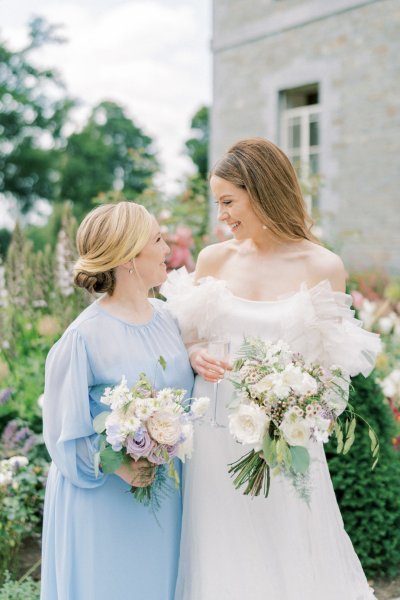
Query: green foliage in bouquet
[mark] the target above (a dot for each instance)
(370, 500)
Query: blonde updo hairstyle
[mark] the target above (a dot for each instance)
(265, 172)
(110, 235)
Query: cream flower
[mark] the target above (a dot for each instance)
(164, 428)
(248, 424)
(296, 431)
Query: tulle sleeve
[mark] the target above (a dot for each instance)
(339, 338)
(67, 425)
(196, 307)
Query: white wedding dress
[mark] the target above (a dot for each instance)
(234, 547)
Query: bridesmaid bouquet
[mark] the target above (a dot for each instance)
(282, 405)
(147, 423)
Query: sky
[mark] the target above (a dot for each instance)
(151, 56)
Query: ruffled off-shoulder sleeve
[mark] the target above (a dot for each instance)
(333, 335)
(197, 308)
(67, 424)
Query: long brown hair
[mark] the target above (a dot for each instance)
(265, 172)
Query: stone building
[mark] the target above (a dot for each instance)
(321, 78)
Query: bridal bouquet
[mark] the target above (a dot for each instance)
(147, 423)
(282, 405)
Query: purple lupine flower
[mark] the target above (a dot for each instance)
(139, 445)
(5, 395)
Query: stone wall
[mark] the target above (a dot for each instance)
(352, 50)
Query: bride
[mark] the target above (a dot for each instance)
(273, 280)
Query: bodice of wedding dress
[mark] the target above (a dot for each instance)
(317, 322)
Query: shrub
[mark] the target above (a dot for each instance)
(370, 500)
(19, 590)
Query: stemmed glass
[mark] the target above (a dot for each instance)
(218, 348)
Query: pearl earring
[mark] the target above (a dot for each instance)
(130, 271)
(264, 227)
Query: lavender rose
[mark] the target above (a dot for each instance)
(140, 445)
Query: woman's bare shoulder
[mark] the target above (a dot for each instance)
(324, 264)
(211, 258)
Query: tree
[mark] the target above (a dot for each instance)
(110, 153)
(197, 146)
(33, 112)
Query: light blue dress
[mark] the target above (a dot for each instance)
(98, 542)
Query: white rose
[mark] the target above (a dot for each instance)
(248, 424)
(281, 389)
(296, 431)
(164, 428)
(200, 406)
(185, 449)
(263, 386)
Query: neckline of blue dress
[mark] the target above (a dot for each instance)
(128, 323)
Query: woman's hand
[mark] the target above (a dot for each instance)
(139, 473)
(210, 368)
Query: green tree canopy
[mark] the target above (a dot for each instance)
(197, 146)
(110, 153)
(33, 110)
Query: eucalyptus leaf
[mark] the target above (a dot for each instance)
(300, 459)
(99, 422)
(110, 460)
(162, 362)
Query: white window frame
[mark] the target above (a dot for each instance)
(304, 114)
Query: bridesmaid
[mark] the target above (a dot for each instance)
(98, 542)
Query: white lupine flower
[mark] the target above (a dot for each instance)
(64, 261)
(248, 424)
(3, 289)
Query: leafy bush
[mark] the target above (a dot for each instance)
(19, 590)
(370, 500)
(22, 487)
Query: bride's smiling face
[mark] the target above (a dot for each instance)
(234, 208)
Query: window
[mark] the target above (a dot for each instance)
(300, 137)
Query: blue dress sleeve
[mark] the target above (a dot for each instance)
(67, 424)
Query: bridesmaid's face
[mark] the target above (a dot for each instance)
(150, 263)
(234, 208)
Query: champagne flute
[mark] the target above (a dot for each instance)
(218, 348)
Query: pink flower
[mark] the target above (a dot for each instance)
(358, 299)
